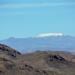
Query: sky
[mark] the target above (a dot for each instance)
(27, 18)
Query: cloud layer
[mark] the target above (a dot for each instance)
(32, 5)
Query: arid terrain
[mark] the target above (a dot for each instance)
(13, 62)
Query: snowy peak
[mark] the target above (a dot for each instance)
(50, 34)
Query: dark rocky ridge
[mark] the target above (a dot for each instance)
(9, 51)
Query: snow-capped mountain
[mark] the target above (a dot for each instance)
(49, 41)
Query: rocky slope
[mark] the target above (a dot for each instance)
(13, 62)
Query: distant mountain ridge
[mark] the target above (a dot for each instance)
(62, 43)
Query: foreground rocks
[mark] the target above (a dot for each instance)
(13, 62)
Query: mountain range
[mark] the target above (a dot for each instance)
(58, 43)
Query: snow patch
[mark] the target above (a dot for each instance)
(49, 34)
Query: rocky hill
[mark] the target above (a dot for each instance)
(13, 62)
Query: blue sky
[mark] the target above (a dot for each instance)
(27, 18)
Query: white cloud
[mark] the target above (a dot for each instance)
(49, 34)
(31, 5)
